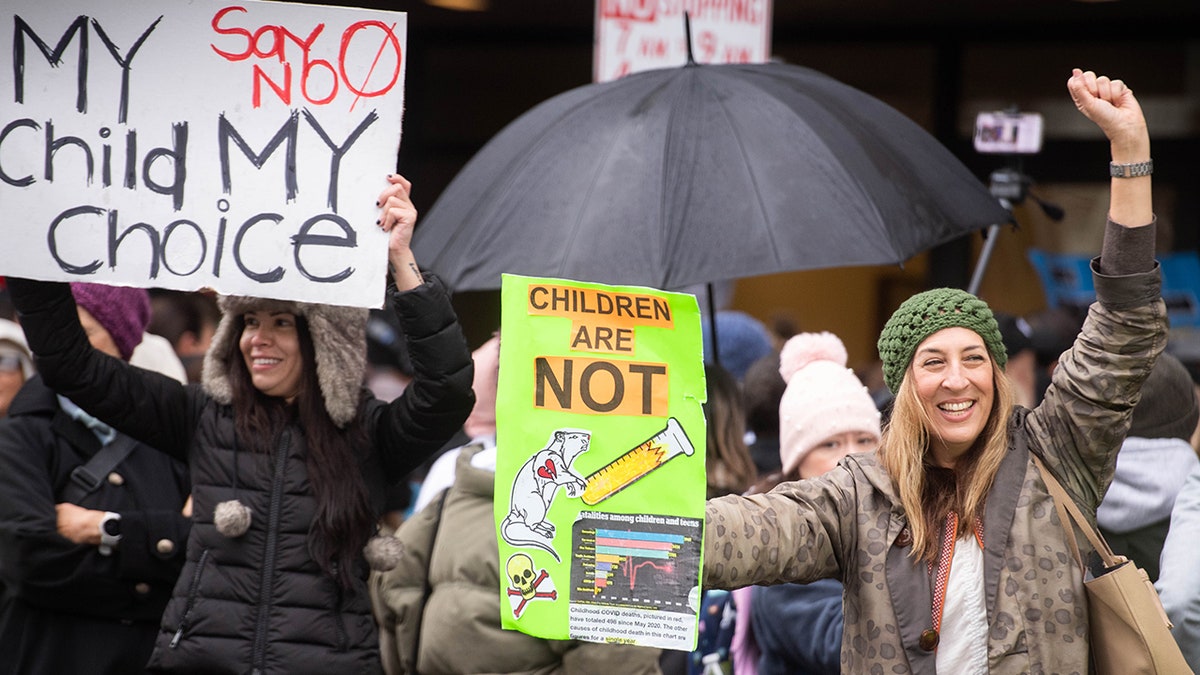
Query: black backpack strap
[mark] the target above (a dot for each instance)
(87, 477)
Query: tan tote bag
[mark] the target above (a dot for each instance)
(1130, 632)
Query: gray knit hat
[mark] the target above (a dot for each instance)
(926, 313)
(339, 336)
(1167, 408)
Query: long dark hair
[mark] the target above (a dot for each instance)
(344, 518)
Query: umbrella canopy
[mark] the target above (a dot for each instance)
(701, 173)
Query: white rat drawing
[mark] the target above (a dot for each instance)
(535, 486)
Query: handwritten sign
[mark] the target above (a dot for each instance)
(235, 145)
(637, 35)
(600, 478)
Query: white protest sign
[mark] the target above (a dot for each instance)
(235, 145)
(637, 35)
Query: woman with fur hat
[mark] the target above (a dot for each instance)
(944, 538)
(92, 523)
(290, 458)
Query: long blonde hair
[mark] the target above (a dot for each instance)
(905, 454)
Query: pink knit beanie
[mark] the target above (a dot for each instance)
(823, 397)
(124, 312)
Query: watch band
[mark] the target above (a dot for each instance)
(1131, 170)
(110, 532)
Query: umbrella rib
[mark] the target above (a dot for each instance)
(861, 189)
(508, 175)
(577, 226)
(774, 248)
(849, 118)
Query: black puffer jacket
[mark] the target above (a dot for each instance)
(259, 603)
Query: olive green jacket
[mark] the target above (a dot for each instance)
(849, 525)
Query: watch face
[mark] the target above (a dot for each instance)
(112, 527)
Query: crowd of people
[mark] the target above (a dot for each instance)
(306, 488)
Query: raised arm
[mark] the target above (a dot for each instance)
(1112, 106)
(148, 406)
(398, 218)
(439, 398)
(1087, 409)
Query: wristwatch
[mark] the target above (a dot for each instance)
(110, 532)
(1131, 170)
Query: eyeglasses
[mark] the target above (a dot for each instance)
(9, 363)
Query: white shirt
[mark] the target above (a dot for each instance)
(441, 473)
(964, 631)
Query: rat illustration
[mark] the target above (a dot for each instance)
(535, 486)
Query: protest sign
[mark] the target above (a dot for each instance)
(238, 146)
(637, 35)
(1067, 282)
(600, 477)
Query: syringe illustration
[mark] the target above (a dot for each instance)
(633, 465)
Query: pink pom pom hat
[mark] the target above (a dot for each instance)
(823, 398)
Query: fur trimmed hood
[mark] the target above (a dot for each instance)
(339, 336)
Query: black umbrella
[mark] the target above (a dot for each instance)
(696, 174)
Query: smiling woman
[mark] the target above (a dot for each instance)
(952, 372)
(944, 357)
(291, 457)
(951, 518)
(270, 346)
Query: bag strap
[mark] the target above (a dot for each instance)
(86, 478)
(1068, 511)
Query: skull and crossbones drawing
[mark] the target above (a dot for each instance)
(520, 572)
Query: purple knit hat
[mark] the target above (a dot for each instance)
(124, 312)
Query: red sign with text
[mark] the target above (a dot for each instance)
(637, 35)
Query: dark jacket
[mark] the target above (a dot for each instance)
(106, 608)
(798, 627)
(259, 603)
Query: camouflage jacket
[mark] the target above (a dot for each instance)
(849, 524)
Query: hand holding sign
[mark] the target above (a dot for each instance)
(205, 145)
(398, 219)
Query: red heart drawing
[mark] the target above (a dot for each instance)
(548, 471)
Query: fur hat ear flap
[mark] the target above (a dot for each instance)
(383, 553)
(232, 518)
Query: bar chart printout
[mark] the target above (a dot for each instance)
(635, 579)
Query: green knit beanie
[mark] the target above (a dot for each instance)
(926, 313)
